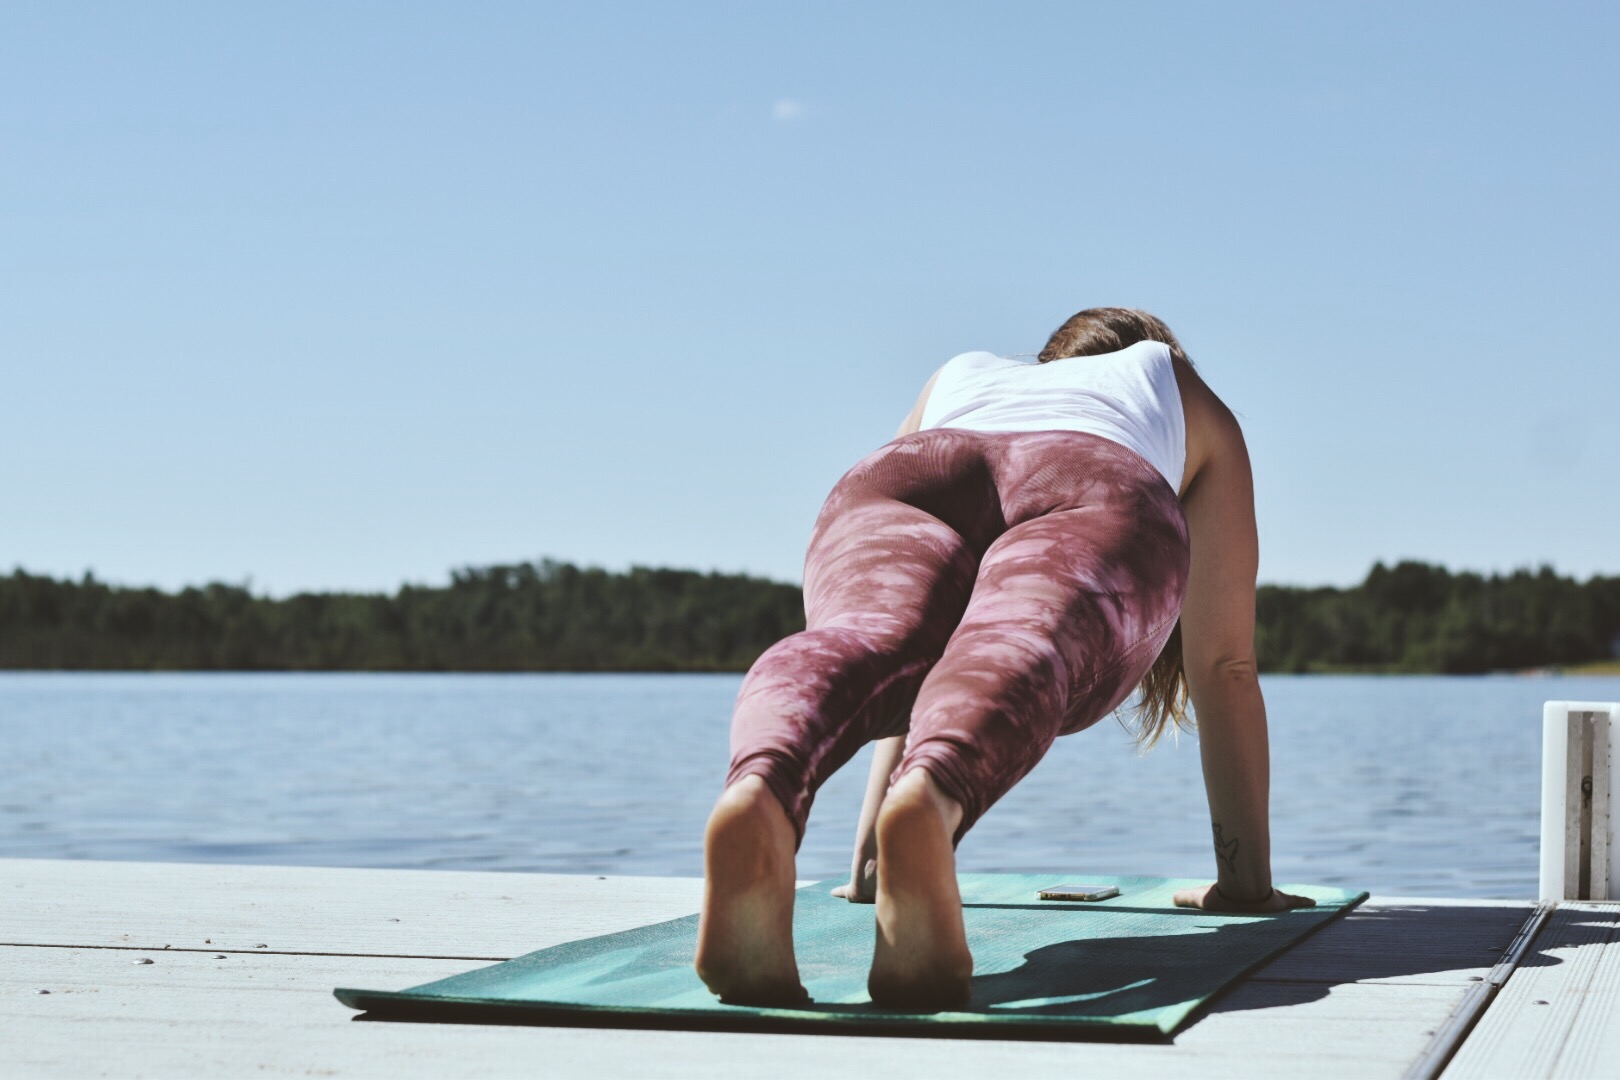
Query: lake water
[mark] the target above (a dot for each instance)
(1411, 786)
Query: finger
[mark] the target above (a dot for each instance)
(1187, 898)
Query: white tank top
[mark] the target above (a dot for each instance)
(1129, 397)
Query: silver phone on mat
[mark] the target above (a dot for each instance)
(1078, 891)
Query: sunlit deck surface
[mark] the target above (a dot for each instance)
(243, 961)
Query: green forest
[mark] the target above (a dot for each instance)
(554, 616)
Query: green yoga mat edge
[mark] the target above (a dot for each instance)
(410, 1005)
(401, 1005)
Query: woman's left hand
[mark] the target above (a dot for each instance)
(862, 887)
(1208, 899)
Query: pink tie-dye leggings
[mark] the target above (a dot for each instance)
(980, 592)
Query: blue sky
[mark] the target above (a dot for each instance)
(341, 296)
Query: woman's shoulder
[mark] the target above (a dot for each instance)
(1212, 429)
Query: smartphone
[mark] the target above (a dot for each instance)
(1068, 891)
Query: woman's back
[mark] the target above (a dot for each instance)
(1130, 397)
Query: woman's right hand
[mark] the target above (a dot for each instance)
(862, 887)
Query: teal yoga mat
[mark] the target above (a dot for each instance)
(1134, 966)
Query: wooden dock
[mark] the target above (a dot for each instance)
(167, 970)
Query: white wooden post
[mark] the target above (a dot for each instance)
(1578, 775)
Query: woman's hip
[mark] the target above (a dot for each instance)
(984, 482)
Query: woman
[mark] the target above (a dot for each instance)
(1037, 541)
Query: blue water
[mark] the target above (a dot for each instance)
(1410, 786)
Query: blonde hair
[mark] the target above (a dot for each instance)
(1163, 690)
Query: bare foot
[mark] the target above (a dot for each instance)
(922, 959)
(745, 934)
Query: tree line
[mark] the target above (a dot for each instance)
(554, 616)
(1415, 617)
(546, 616)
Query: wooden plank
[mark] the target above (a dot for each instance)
(1599, 815)
(1444, 943)
(1449, 1038)
(1593, 1047)
(1413, 959)
(308, 909)
(1559, 1013)
(497, 916)
(256, 1014)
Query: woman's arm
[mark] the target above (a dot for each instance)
(886, 754)
(862, 887)
(1217, 634)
